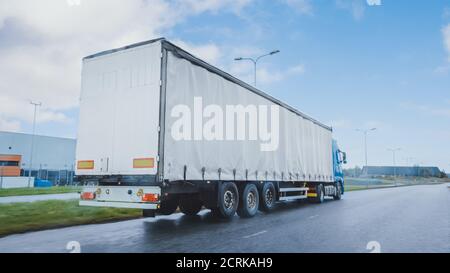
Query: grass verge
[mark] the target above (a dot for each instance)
(355, 188)
(361, 187)
(23, 217)
(37, 191)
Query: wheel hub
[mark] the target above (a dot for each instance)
(228, 199)
(251, 200)
(269, 196)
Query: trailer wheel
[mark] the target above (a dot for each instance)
(190, 206)
(249, 204)
(168, 206)
(320, 194)
(267, 197)
(228, 200)
(338, 195)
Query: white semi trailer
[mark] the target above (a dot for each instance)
(161, 129)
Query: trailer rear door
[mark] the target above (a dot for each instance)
(119, 112)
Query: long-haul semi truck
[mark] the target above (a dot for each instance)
(160, 129)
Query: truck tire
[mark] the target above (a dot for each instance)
(248, 207)
(168, 206)
(190, 206)
(267, 197)
(320, 194)
(228, 200)
(338, 195)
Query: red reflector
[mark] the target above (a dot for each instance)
(88, 196)
(150, 197)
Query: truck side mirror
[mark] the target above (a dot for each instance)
(344, 155)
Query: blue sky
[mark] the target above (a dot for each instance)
(344, 62)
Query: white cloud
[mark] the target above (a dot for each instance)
(446, 37)
(210, 52)
(341, 124)
(296, 70)
(14, 109)
(267, 76)
(375, 124)
(244, 70)
(8, 125)
(199, 6)
(48, 68)
(356, 7)
(245, 51)
(446, 13)
(442, 70)
(445, 68)
(301, 6)
(374, 2)
(443, 112)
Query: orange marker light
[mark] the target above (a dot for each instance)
(143, 163)
(85, 165)
(88, 196)
(150, 197)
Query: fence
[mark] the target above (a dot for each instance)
(352, 183)
(57, 177)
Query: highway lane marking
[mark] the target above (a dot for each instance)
(254, 234)
(314, 216)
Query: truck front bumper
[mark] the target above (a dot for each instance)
(118, 205)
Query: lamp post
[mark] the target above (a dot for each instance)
(394, 150)
(365, 139)
(409, 161)
(255, 61)
(36, 105)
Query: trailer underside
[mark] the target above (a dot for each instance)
(224, 198)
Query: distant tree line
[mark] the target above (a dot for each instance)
(353, 172)
(357, 172)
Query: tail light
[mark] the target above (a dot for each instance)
(150, 197)
(88, 196)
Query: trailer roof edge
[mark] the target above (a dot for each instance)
(183, 53)
(106, 52)
(197, 61)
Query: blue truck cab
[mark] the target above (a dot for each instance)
(339, 158)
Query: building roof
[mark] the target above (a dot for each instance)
(37, 135)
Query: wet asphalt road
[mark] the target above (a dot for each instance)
(405, 219)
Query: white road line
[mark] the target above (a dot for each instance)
(254, 234)
(314, 216)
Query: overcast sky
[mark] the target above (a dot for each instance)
(349, 63)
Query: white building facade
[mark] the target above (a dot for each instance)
(53, 157)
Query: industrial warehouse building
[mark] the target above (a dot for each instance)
(401, 171)
(53, 157)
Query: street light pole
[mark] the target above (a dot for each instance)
(365, 139)
(409, 161)
(255, 61)
(36, 105)
(393, 158)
